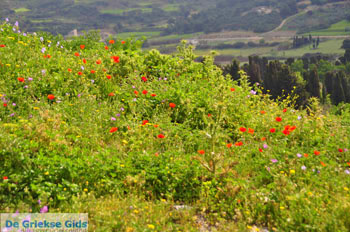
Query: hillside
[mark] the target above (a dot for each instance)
(149, 142)
(171, 16)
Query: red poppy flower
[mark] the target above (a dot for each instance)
(155, 125)
(250, 131)
(113, 129)
(242, 129)
(144, 79)
(76, 54)
(82, 46)
(306, 155)
(123, 42)
(348, 163)
(109, 77)
(106, 47)
(111, 94)
(84, 61)
(48, 56)
(92, 71)
(156, 154)
(323, 164)
(209, 115)
(202, 152)
(144, 122)
(284, 110)
(153, 94)
(111, 41)
(229, 145)
(136, 92)
(261, 150)
(317, 152)
(172, 105)
(69, 70)
(116, 59)
(2, 45)
(144, 92)
(51, 96)
(98, 62)
(80, 73)
(286, 132)
(262, 112)
(340, 150)
(278, 119)
(4, 104)
(5, 178)
(20, 79)
(161, 136)
(292, 128)
(263, 139)
(238, 144)
(272, 130)
(233, 89)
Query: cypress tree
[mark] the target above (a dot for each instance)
(329, 82)
(313, 84)
(338, 91)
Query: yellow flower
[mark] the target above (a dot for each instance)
(129, 229)
(36, 108)
(151, 226)
(136, 211)
(46, 173)
(281, 207)
(346, 189)
(292, 171)
(85, 189)
(64, 189)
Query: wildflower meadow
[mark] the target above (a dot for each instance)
(149, 142)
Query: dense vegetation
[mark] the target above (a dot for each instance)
(307, 77)
(128, 135)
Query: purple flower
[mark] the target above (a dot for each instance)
(16, 23)
(253, 92)
(113, 119)
(14, 29)
(16, 213)
(92, 81)
(30, 79)
(265, 146)
(43, 50)
(30, 116)
(39, 201)
(134, 99)
(274, 160)
(43, 72)
(257, 83)
(345, 149)
(117, 115)
(299, 117)
(122, 109)
(44, 209)
(13, 114)
(79, 95)
(299, 155)
(165, 78)
(41, 39)
(14, 104)
(82, 68)
(303, 167)
(133, 87)
(347, 172)
(26, 86)
(7, 19)
(160, 78)
(24, 34)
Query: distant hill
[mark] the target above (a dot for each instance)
(166, 16)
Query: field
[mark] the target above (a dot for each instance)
(149, 142)
(340, 28)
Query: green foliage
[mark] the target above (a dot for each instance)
(167, 130)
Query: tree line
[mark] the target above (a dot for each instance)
(305, 77)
